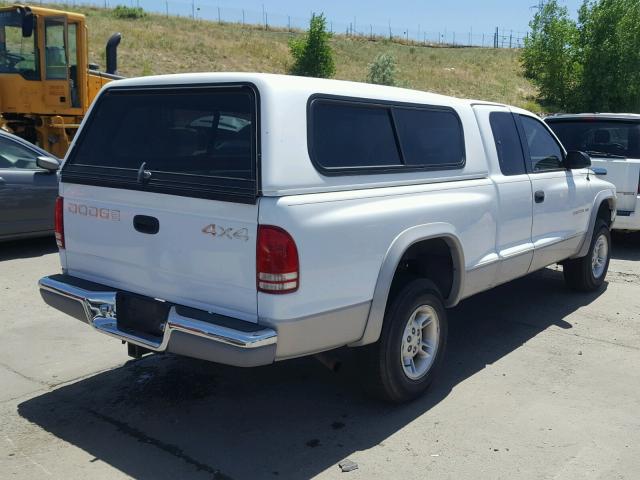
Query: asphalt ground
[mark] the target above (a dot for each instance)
(539, 382)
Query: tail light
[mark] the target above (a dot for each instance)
(277, 266)
(59, 222)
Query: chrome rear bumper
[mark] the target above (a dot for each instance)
(187, 331)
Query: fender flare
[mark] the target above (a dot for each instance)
(608, 196)
(387, 271)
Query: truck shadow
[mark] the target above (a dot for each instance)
(169, 417)
(27, 248)
(626, 246)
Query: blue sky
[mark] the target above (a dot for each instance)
(450, 20)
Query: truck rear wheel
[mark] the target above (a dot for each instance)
(404, 361)
(587, 274)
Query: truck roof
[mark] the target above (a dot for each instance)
(310, 85)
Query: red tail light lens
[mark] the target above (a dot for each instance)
(59, 222)
(277, 266)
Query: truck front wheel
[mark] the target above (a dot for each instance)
(587, 274)
(403, 363)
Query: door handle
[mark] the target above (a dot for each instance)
(146, 224)
(2, 181)
(539, 196)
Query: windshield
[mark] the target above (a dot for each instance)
(17, 54)
(600, 137)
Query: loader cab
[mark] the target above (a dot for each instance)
(42, 61)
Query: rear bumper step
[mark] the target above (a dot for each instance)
(187, 331)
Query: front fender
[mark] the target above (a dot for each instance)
(392, 257)
(609, 196)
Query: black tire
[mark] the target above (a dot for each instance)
(384, 373)
(579, 272)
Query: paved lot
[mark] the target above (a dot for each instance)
(540, 383)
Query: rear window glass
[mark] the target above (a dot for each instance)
(507, 139)
(194, 140)
(599, 136)
(347, 135)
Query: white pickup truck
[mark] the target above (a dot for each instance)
(251, 218)
(612, 140)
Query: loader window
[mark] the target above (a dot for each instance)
(55, 51)
(73, 65)
(193, 142)
(17, 54)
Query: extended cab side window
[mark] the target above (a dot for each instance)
(505, 135)
(544, 152)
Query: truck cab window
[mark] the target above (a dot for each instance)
(55, 50)
(17, 53)
(544, 151)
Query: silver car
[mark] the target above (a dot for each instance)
(28, 189)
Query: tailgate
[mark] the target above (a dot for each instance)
(161, 199)
(625, 175)
(202, 256)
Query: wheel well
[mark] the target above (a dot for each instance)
(431, 259)
(604, 212)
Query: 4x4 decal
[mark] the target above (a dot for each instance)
(227, 232)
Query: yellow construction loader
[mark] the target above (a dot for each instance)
(46, 81)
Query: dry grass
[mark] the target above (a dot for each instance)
(157, 44)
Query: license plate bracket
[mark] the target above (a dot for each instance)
(140, 314)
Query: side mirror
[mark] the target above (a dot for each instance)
(27, 24)
(48, 163)
(576, 159)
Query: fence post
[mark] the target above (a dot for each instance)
(510, 38)
(219, 18)
(166, 6)
(390, 35)
(243, 17)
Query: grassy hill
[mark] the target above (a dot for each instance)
(157, 44)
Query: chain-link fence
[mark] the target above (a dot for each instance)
(499, 38)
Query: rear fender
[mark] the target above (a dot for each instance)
(390, 263)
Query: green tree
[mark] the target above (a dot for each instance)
(312, 54)
(609, 43)
(593, 65)
(382, 70)
(549, 57)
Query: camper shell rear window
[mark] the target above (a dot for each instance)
(187, 141)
